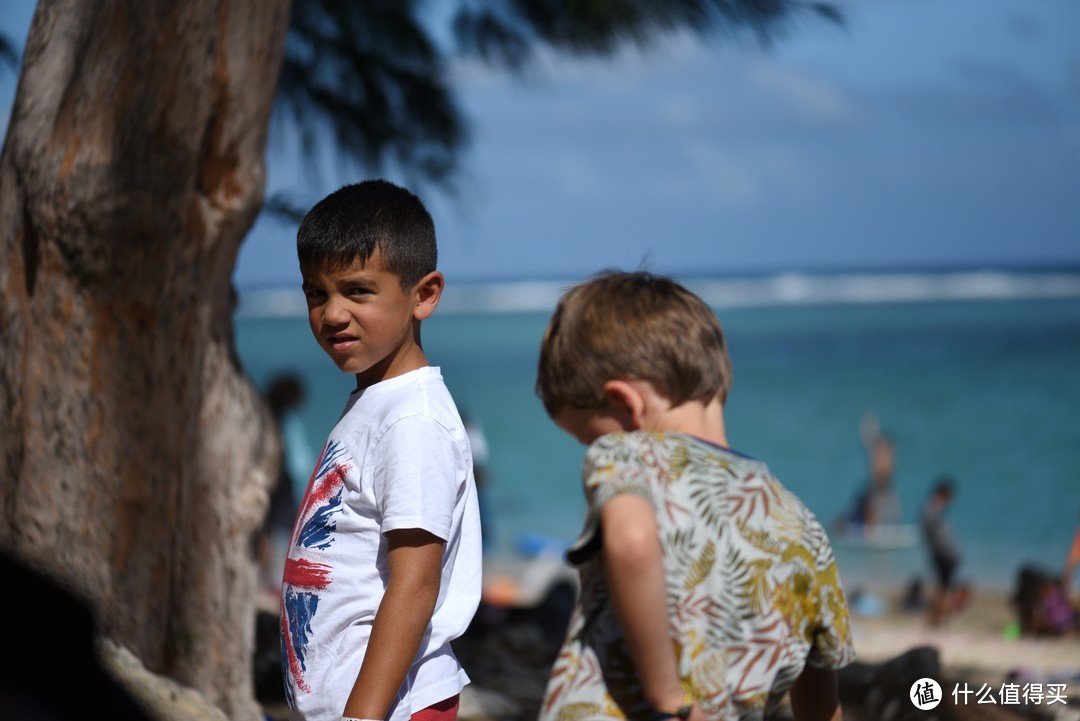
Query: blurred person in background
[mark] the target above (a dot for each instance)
(943, 550)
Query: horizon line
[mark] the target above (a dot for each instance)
(780, 288)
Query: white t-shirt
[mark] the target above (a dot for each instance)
(398, 458)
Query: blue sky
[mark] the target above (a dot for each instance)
(924, 133)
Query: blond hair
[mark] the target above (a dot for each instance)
(623, 325)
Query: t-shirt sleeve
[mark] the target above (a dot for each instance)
(416, 478)
(615, 463)
(832, 645)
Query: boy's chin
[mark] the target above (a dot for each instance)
(352, 369)
(347, 365)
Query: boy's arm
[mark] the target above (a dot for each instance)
(815, 697)
(634, 560)
(414, 559)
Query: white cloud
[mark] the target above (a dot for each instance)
(810, 97)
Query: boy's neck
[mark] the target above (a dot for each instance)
(408, 358)
(696, 419)
(646, 409)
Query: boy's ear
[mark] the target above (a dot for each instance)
(427, 292)
(627, 400)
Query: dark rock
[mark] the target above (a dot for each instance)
(511, 650)
(51, 670)
(881, 691)
(268, 673)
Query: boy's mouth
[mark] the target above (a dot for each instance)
(341, 342)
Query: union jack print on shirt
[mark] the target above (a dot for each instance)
(305, 575)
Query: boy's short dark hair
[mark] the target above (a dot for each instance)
(623, 325)
(354, 221)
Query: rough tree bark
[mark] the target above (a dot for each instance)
(135, 456)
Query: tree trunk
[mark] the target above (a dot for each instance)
(135, 456)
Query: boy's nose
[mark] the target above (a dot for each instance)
(334, 312)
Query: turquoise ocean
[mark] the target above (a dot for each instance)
(974, 373)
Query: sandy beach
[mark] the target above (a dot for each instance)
(972, 643)
(975, 647)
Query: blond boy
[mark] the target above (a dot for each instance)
(708, 590)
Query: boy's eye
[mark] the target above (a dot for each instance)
(359, 291)
(313, 293)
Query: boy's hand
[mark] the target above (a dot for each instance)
(415, 567)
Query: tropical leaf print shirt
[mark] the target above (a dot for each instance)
(752, 585)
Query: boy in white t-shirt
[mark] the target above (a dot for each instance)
(384, 567)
